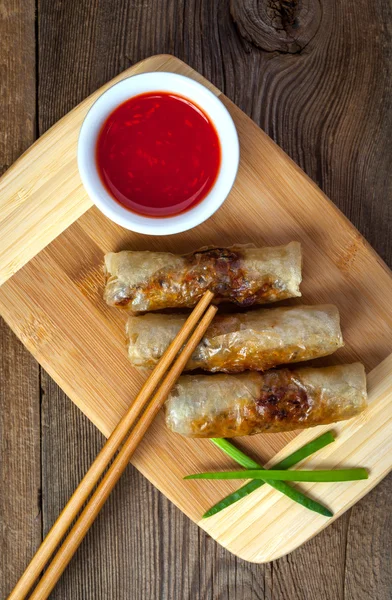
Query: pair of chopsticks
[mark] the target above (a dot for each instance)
(134, 418)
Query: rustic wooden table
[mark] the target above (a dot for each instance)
(316, 76)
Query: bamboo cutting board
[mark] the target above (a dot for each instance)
(52, 246)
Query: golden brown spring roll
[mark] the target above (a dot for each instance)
(144, 281)
(226, 406)
(255, 341)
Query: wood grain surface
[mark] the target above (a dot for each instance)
(327, 106)
(80, 340)
(20, 460)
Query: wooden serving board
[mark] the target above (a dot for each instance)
(52, 247)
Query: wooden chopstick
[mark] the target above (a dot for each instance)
(85, 487)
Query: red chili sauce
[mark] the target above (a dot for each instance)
(158, 154)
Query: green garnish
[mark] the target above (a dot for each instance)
(291, 460)
(279, 475)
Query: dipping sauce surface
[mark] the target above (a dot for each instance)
(158, 154)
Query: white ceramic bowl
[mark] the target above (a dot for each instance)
(158, 82)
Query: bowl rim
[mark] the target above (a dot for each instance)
(199, 95)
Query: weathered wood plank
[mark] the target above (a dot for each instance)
(20, 471)
(368, 572)
(20, 464)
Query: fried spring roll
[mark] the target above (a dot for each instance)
(256, 341)
(144, 281)
(226, 406)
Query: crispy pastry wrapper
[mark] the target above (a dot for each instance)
(146, 281)
(257, 340)
(226, 406)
